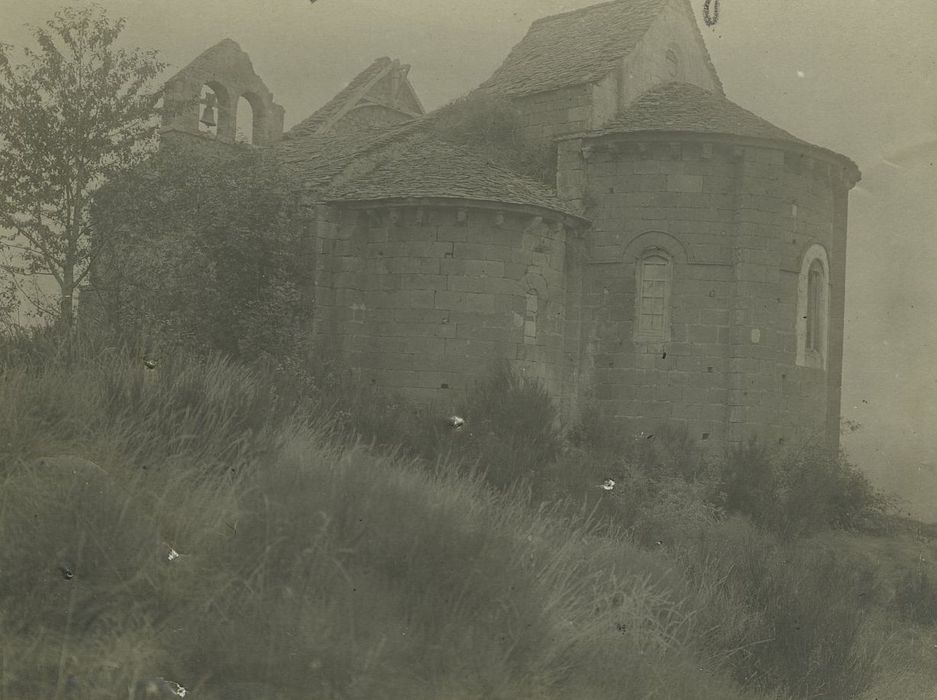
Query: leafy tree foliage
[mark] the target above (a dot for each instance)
(77, 111)
(207, 253)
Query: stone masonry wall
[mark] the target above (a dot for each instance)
(549, 114)
(584, 107)
(724, 213)
(647, 65)
(424, 299)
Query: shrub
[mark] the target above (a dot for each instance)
(797, 492)
(203, 254)
(664, 487)
(674, 515)
(748, 482)
(510, 433)
(491, 125)
(820, 490)
(512, 426)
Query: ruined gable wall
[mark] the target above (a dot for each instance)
(229, 72)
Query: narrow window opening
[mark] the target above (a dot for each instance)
(654, 276)
(673, 64)
(815, 308)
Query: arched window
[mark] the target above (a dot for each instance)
(813, 308)
(673, 65)
(815, 311)
(654, 278)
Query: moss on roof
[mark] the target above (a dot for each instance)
(574, 47)
(429, 167)
(470, 149)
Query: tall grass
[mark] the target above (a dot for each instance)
(189, 526)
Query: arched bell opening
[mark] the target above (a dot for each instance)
(214, 113)
(244, 132)
(256, 108)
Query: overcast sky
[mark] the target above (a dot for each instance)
(857, 76)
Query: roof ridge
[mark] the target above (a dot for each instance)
(354, 91)
(579, 11)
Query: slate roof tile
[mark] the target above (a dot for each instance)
(686, 107)
(313, 162)
(575, 47)
(681, 107)
(430, 167)
(333, 106)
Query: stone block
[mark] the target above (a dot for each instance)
(425, 347)
(481, 251)
(422, 299)
(411, 233)
(684, 183)
(413, 265)
(476, 268)
(419, 282)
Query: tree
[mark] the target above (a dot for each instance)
(78, 111)
(208, 254)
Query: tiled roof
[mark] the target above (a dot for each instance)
(429, 167)
(333, 106)
(404, 161)
(681, 107)
(574, 47)
(313, 162)
(685, 107)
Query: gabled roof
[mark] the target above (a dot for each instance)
(357, 92)
(682, 107)
(574, 47)
(429, 167)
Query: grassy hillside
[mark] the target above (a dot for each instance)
(217, 528)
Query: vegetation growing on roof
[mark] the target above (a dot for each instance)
(490, 125)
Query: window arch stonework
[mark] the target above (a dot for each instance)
(813, 308)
